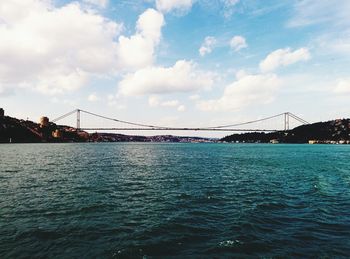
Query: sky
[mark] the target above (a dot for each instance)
(180, 63)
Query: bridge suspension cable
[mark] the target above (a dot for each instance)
(65, 115)
(244, 123)
(157, 127)
(298, 118)
(122, 121)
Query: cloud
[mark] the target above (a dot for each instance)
(333, 42)
(137, 51)
(93, 97)
(156, 101)
(207, 46)
(310, 12)
(5, 91)
(50, 49)
(333, 36)
(113, 100)
(99, 3)
(343, 86)
(182, 77)
(171, 103)
(194, 97)
(237, 43)
(229, 7)
(283, 57)
(246, 91)
(181, 6)
(181, 108)
(229, 3)
(58, 82)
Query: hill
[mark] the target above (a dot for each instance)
(13, 130)
(334, 131)
(24, 131)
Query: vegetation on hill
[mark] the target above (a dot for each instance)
(321, 132)
(24, 131)
(13, 130)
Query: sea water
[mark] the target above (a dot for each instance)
(134, 200)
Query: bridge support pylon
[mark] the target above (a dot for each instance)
(286, 121)
(78, 119)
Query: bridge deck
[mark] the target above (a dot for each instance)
(139, 126)
(179, 129)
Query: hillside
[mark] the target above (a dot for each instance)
(13, 130)
(24, 131)
(320, 132)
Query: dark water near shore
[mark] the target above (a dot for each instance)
(174, 200)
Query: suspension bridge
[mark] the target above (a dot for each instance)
(247, 126)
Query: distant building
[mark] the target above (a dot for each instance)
(2, 112)
(57, 134)
(312, 141)
(44, 122)
(274, 141)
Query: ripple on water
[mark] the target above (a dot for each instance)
(174, 200)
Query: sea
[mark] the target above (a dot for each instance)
(174, 200)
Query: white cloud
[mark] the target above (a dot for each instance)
(340, 45)
(50, 49)
(333, 16)
(182, 77)
(247, 90)
(171, 103)
(4, 91)
(166, 6)
(329, 12)
(93, 97)
(154, 101)
(241, 73)
(333, 43)
(343, 86)
(99, 3)
(230, 2)
(58, 82)
(283, 57)
(194, 97)
(229, 9)
(207, 46)
(114, 100)
(237, 43)
(149, 25)
(137, 51)
(181, 108)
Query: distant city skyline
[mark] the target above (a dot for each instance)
(181, 63)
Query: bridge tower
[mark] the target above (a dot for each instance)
(78, 119)
(286, 121)
(232, 127)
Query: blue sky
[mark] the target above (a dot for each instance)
(175, 62)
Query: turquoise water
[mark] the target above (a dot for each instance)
(178, 200)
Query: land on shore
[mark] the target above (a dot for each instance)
(14, 130)
(329, 132)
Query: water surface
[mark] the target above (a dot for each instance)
(183, 200)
